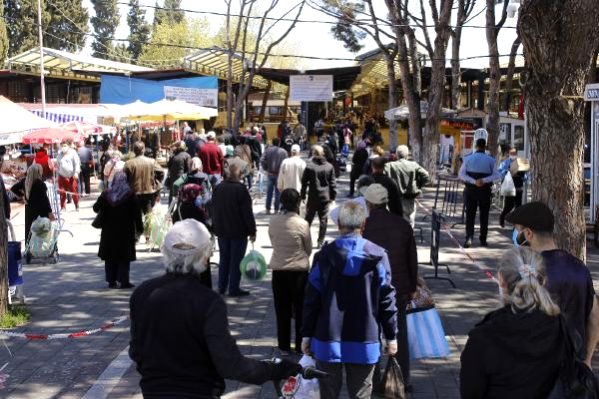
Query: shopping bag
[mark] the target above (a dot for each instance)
(426, 337)
(299, 388)
(393, 383)
(253, 265)
(508, 189)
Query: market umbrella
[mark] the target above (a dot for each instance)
(87, 129)
(51, 135)
(174, 110)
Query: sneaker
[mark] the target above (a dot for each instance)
(483, 243)
(127, 286)
(112, 285)
(468, 243)
(268, 212)
(239, 293)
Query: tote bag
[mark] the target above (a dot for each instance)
(426, 336)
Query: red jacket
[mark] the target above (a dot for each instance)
(213, 160)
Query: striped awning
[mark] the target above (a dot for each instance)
(59, 118)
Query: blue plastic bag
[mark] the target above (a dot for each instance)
(426, 336)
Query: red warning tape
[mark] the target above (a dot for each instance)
(78, 334)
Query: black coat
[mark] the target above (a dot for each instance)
(38, 204)
(121, 223)
(318, 182)
(358, 161)
(231, 210)
(392, 190)
(515, 356)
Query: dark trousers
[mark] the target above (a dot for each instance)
(358, 379)
(231, 254)
(352, 184)
(323, 216)
(510, 203)
(288, 292)
(117, 271)
(84, 179)
(146, 202)
(403, 350)
(477, 198)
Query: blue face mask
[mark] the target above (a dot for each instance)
(519, 239)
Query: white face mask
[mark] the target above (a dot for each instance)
(513, 157)
(64, 149)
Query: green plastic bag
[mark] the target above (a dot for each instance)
(253, 265)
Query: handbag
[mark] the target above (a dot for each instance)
(426, 336)
(98, 221)
(393, 383)
(253, 265)
(508, 189)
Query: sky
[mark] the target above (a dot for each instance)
(315, 39)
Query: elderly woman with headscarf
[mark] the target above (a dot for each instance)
(33, 190)
(180, 337)
(114, 165)
(121, 223)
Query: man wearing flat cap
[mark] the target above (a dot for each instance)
(568, 278)
(393, 233)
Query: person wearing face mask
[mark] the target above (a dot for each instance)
(568, 278)
(516, 351)
(69, 167)
(519, 177)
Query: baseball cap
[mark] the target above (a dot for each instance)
(295, 148)
(211, 135)
(376, 194)
(535, 215)
(187, 237)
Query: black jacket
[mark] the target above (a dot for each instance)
(318, 181)
(392, 190)
(231, 210)
(515, 356)
(178, 165)
(181, 342)
(358, 161)
(395, 235)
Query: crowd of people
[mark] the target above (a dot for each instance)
(345, 307)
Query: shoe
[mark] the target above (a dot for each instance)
(127, 286)
(77, 208)
(63, 209)
(268, 212)
(319, 244)
(468, 243)
(112, 285)
(239, 293)
(409, 388)
(502, 223)
(483, 243)
(350, 196)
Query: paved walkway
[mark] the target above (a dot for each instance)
(72, 296)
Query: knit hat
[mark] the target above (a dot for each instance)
(187, 237)
(535, 215)
(376, 194)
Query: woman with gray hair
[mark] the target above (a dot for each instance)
(180, 337)
(515, 351)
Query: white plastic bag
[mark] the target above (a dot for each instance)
(508, 189)
(299, 388)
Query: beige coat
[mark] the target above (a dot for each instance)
(291, 242)
(141, 174)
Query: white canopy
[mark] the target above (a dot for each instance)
(16, 121)
(168, 109)
(402, 112)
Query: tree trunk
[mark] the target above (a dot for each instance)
(393, 96)
(559, 38)
(511, 69)
(265, 101)
(455, 68)
(230, 91)
(286, 104)
(3, 259)
(494, 79)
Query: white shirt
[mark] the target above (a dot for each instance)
(290, 173)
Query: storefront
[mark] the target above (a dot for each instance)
(591, 94)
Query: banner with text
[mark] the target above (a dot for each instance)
(318, 88)
(202, 97)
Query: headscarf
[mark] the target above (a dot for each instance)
(34, 173)
(119, 189)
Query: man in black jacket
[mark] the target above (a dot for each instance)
(180, 337)
(233, 222)
(393, 233)
(379, 176)
(318, 181)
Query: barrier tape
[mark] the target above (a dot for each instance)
(446, 228)
(77, 334)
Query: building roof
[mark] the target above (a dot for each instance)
(343, 77)
(62, 64)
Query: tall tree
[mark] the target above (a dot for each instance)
(3, 36)
(465, 8)
(492, 30)
(511, 69)
(67, 27)
(559, 38)
(169, 13)
(105, 23)
(21, 17)
(139, 29)
(3, 259)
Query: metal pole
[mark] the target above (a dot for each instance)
(41, 40)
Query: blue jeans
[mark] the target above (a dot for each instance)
(270, 188)
(232, 252)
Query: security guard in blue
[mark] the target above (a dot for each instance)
(478, 172)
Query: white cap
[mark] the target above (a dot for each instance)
(187, 237)
(295, 148)
(376, 194)
(211, 135)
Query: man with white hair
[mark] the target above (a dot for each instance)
(410, 178)
(349, 302)
(292, 169)
(180, 337)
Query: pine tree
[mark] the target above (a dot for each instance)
(21, 26)
(169, 13)
(3, 36)
(67, 26)
(105, 23)
(139, 29)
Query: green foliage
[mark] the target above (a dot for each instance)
(120, 53)
(345, 30)
(16, 316)
(169, 13)
(3, 36)
(139, 29)
(63, 22)
(191, 35)
(105, 23)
